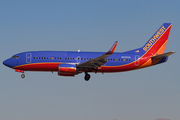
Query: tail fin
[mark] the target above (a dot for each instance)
(157, 43)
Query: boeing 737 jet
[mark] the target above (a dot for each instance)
(73, 63)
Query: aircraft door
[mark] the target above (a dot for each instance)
(78, 59)
(28, 57)
(137, 62)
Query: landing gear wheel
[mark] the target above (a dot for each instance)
(87, 77)
(22, 76)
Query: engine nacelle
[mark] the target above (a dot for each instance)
(66, 70)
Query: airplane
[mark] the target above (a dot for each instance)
(73, 63)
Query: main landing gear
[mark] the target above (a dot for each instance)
(23, 76)
(87, 76)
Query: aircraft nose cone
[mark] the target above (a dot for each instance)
(7, 63)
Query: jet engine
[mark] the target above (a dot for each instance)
(66, 70)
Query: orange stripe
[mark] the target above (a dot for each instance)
(161, 50)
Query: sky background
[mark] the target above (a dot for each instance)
(35, 25)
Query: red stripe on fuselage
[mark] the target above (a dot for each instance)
(122, 68)
(39, 67)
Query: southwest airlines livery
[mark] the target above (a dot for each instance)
(73, 63)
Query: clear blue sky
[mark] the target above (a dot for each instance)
(145, 94)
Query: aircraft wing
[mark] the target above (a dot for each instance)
(98, 61)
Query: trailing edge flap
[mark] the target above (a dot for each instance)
(163, 55)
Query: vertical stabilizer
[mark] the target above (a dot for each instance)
(157, 43)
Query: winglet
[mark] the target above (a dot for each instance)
(111, 51)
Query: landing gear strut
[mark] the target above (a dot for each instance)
(23, 76)
(87, 76)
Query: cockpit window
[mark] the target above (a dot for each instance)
(15, 57)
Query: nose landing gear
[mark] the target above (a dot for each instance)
(20, 71)
(23, 76)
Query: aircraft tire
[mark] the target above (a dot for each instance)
(22, 76)
(87, 77)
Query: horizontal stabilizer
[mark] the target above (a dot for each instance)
(163, 55)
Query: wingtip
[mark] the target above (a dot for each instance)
(173, 52)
